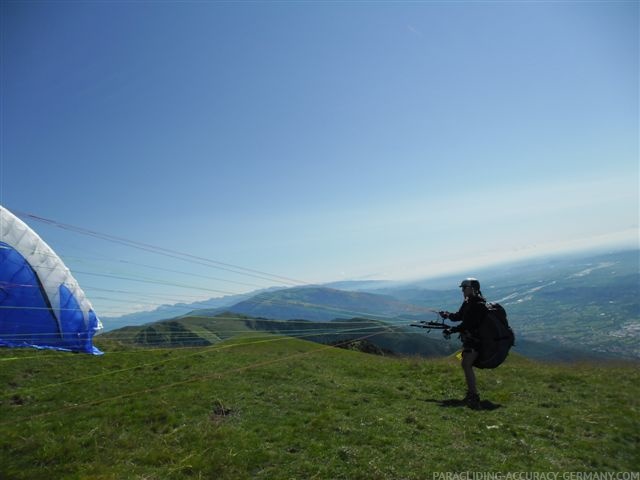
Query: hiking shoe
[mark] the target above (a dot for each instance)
(472, 400)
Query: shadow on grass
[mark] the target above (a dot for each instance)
(452, 403)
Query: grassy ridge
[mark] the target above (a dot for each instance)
(276, 407)
(195, 330)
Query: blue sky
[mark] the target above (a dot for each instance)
(319, 141)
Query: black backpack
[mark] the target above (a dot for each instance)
(495, 336)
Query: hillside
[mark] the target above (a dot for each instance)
(275, 407)
(165, 312)
(195, 330)
(204, 330)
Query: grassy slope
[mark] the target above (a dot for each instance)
(273, 407)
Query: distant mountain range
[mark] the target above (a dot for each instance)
(561, 308)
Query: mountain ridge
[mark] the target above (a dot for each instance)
(566, 304)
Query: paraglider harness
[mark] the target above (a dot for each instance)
(494, 337)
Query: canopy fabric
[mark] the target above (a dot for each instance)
(41, 304)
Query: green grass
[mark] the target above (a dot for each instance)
(276, 407)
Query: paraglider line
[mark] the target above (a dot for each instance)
(164, 251)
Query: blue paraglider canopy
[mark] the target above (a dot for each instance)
(41, 304)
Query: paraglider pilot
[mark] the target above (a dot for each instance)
(471, 313)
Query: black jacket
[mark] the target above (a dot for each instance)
(471, 313)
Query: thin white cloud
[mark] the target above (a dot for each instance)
(415, 31)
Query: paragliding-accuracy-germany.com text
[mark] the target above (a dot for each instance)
(536, 476)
